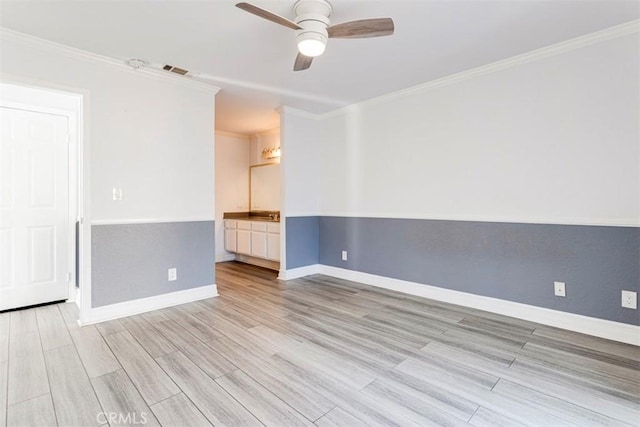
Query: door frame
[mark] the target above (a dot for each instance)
(77, 172)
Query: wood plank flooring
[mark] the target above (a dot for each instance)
(315, 350)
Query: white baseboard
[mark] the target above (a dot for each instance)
(142, 305)
(294, 273)
(225, 257)
(615, 331)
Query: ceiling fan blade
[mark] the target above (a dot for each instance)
(302, 62)
(362, 28)
(262, 13)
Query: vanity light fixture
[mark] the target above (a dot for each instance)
(271, 153)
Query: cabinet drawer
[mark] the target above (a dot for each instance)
(230, 223)
(273, 228)
(259, 226)
(244, 225)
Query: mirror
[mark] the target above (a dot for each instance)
(264, 191)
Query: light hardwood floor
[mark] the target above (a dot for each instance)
(310, 351)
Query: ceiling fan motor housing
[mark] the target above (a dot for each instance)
(313, 17)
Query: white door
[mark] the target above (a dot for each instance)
(34, 207)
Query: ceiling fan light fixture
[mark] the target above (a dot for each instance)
(311, 44)
(314, 28)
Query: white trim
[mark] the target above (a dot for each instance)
(49, 46)
(295, 273)
(149, 220)
(143, 305)
(534, 55)
(616, 331)
(332, 103)
(225, 257)
(306, 114)
(605, 222)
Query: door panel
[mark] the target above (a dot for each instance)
(42, 254)
(6, 257)
(34, 208)
(42, 179)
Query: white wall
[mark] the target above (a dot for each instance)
(151, 136)
(302, 138)
(552, 140)
(232, 183)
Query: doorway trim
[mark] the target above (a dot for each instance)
(79, 197)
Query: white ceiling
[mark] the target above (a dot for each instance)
(252, 59)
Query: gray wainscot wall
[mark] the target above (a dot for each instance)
(130, 261)
(303, 243)
(509, 261)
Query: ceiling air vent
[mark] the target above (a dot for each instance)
(176, 70)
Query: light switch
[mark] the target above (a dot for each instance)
(117, 193)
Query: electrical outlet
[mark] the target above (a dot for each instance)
(117, 193)
(173, 274)
(630, 300)
(558, 289)
(344, 255)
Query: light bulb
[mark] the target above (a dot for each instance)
(311, 47)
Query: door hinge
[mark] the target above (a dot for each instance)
(69, 138)
(80, 220)
(69, 277)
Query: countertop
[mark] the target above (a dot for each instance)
(252, 216)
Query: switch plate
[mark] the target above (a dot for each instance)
(117, 193)
(558, 289)
(173, 274)
(630, 300)
(344, 255)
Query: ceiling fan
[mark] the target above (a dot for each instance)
(313, 29)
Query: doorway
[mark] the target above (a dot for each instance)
(38, 195)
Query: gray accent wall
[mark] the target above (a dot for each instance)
(514, 262)
(130, 261)
(302, 241)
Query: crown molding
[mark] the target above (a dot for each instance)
(302, 113)
(534, 55)
(329, 102)
(53, 47)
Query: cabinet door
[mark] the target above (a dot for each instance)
(230, 236)
(244, 242)
(273, 247)
(259, 244)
